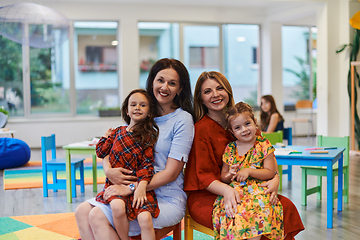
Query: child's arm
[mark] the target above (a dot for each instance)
(140, 194)
(228, 173)
(266, 173)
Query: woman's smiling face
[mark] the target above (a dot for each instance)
(214, 96)
(166, 86)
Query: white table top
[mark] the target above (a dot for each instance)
(6, 131)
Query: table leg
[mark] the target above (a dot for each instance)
(330, 194)
(340, 183)
(68, 176)
(94, 167)
(12, 135)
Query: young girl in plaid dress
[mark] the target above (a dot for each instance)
(247, 163)
(131, 147)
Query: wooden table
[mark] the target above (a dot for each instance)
(80, 148)
(305, 158)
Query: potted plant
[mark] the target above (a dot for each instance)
(109, 112)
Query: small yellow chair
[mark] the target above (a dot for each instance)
(191, 225)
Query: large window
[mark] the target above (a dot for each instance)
(201, 49)
(49, 75)
(299, 63)
(241, 61)
(11, 79)
(157, 40)
(46, 88)
(96, 78)
(230, 48)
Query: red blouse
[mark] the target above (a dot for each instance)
(205, 159)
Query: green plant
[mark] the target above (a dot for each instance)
(354, 51)
(304, 79)
(4, 111)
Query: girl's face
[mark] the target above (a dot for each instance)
(243, 127)
(165, 86)
(138, 108)
(214, 96)
(265, 105)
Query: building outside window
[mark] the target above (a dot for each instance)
(96, 77)
(229, 48)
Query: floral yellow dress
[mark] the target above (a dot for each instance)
(255, 215)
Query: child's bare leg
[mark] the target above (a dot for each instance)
(146, 225)
(121, 222)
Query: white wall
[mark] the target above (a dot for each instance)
(328, 20)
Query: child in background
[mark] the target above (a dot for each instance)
(270, 118)
(132, 147)
(247, 163)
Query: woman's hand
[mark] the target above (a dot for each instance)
(114, 190)
(273, 186)
(118, 176)
(231, 199)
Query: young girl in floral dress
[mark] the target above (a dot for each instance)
(248, 162)
(131, 147)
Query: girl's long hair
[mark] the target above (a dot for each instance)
(146, 131)
(264, 116)
(185, 98)
(200, 109)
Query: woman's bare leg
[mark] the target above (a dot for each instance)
(120, 219)
(82, 219)
(100, 225)
(146, 225)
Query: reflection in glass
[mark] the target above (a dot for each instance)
(11, 79)
(49, 76)
(241, 44)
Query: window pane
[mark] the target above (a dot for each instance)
(11, 79)
(295, 61)
(96, 77)
(241, 44)
(157, 40)
(49, 75)
(201, 50)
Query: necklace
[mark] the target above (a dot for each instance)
(221, 123)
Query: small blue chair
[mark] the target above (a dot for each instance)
(58, 164)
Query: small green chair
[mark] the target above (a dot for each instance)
(274, 138)
(321, 171)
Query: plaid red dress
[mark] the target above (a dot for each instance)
(124, 151)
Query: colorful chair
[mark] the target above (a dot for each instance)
(58, 164)
(301, 107)
(191, 225)
(274, 138)
(321, 171)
